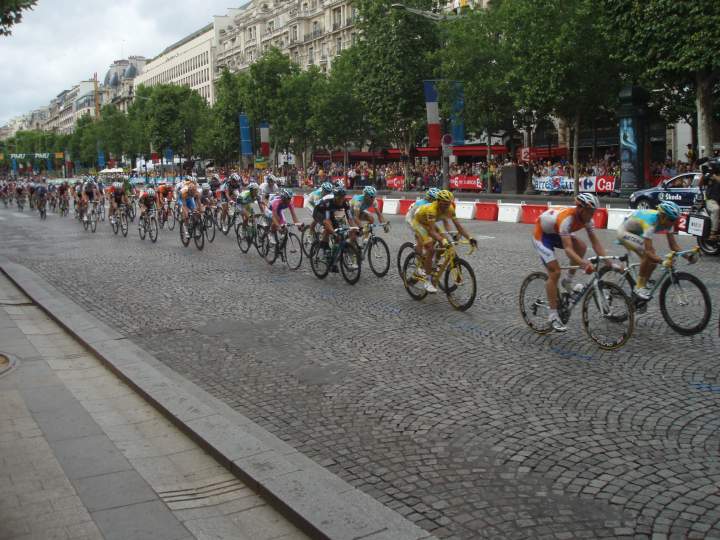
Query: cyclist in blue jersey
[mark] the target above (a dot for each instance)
(361, 205)
(636, 233)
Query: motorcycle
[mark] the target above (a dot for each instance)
(699, 209)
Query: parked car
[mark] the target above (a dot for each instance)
(681, 189)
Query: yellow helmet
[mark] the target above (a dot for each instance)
(445, 195)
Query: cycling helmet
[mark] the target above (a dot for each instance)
(252, 186)
(587, 200)
(150, 192)
(432, 193)
(338, 191)
(234, 181)
(445, 196)
(269, 177)
(206, 186)
(326, 187)
(286, 194)
(711, 166)
(670, 209)
(235, 176)
(370, 191)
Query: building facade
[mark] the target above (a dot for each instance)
(189, 62)
(310, 32)
(118, 85)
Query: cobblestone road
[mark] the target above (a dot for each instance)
(466, 423)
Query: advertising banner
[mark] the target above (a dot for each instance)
(466, 182)
(395, 182)
(245, 136)
(588, 184)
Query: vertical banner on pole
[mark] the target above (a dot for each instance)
(101, 159)
(265, 139)
(457, 125)
(14, 165)
(433, 112)
(245, 136)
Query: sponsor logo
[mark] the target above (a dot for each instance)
(588, 184)
(670, 196)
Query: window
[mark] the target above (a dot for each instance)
(311, 56)
(338, 45)
(294, 33)
(270, 27)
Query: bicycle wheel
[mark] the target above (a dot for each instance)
(132, 212)
(102, 212)
(115, 224)
(307, 237)
(271, 250)
(171, 220)
(209, 226)
(621, 278)
(184, 234)
(460, 285)
(198, 234)
(413, 284)
(378, 256)
(224, 223)
(319, 260)
(260, 237)
(85, 221)
(153, 229)
(608, 316)
(534, 306)
(350, 263)
(244, 237)
(293, 251)
(685, 304)
(402, 254)
(142, 228)
(124, 223)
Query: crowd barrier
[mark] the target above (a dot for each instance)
(604, 218)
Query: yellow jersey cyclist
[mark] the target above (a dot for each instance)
(555, 229)
(636, 232)
(361, 205)
(424, 224)
(246, 199)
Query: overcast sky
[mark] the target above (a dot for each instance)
(62, 42)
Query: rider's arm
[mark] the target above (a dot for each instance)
(570, 252)
(672, 242)
(596, 244)
(460, 228)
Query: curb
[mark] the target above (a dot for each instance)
(317, 501)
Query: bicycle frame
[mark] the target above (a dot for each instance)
(632, 270)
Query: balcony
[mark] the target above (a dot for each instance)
(314, 34)
(336, 25)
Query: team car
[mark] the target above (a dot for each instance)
(682, 189)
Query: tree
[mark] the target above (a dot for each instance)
(338, 114)
(475, 55)
(293, 125)
(561, 59)
(113, 131)
(672, 42)
(11, 12)
(219, 137)
(395, 56)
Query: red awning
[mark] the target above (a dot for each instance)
(474, 150)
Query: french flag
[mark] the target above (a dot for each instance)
(265, 139)
(433, 113)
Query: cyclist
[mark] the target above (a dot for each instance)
(164, 192)
(190, 197)
(146, 202)
(314, 198)
(332, 212)
(206, 196)
(425, 226)
(41, 193)
(555, 229)
(361, 205)
(247, 198)
(229, 191)
(636, 232)
(274, 212)
(89, 194)
(711, 183)
(269, 187)
(117, 197)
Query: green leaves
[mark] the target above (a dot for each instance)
(11, 12)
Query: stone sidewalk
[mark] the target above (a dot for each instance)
(82, 456)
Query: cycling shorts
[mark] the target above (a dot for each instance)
(421, 232)
(546, 247)
(90, 195)
(631, 241)
(190, 203)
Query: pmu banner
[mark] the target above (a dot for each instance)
(245, 136)
(168, 155)
(101, 159)
(588, 184)
(14, 165)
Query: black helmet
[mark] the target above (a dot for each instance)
(338, 190)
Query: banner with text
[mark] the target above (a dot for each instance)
(588, 184)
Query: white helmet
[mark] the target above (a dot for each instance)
(587, 200)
